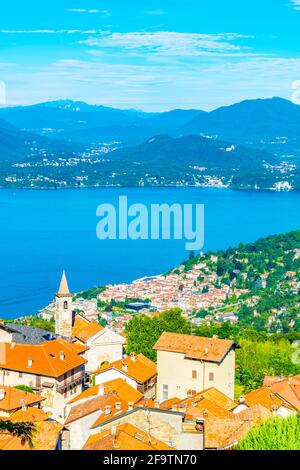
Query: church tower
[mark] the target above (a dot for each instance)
(64, 309)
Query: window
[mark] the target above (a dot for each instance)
(165, 392)
(194, 374)
(6, 372)
(211, 377)
(65, 305)
(20, 375)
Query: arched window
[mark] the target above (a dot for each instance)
(65, 305)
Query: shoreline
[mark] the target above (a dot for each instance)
(252, 190)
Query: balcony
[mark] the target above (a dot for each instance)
(70, 382)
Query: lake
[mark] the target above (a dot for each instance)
(44, 232)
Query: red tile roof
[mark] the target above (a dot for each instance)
(15, 398)
(41, 359)
(195, 347)
(125, 437)
(84, 329)
(138, 367)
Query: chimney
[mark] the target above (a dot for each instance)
(12, 345)
(30, 362)
(23, 403)
(2, 394)
(101, 390)
(241, 400)
(113, 430)
(132, 357)
(118, 405)
(124, 367)
(62, 356)
(205, 414)
(130, 405)
(107, 410)
(205, 351)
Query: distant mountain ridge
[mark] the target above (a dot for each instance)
(264, 123)
(270, 124)
(18, 146)
(252, 144)
(194, 150)
(81, 122)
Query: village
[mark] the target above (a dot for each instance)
(81, 391)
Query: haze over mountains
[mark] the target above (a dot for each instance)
(254, 137)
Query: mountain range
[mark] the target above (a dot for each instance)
(271, 124)
(244, 137)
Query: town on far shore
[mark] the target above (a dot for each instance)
(172, 362)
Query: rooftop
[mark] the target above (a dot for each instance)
(22, 334)
(138, 367)
(45, 438)
(120, 386)
(83, 329)
(195, 347)
(29, 415)
(124, 437)
(50, 359)
(14, 398)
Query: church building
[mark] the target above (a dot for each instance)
(103, 344)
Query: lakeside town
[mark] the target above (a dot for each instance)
(208, 288)
(136, 366)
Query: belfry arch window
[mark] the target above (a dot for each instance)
(65, 305)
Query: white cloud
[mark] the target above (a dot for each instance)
(84, 10)
(296, 4)
(170, 43)
(204, 84)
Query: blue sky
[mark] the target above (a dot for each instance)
(149, 54)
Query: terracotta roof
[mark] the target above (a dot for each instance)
(289, 391)
(15, 398)
(41, 359)
(99, 404)
(76, 346)
(141, 369)
(45, 438)
(195, 347)
(30, 415)
(255, 413)
(84, 329)
(212, 394)
(270, 379)
(206, 409)
(168, 404)
(124, 437)
(146, 403)
(120, 386)
(266, 397)
(225, 433)
(117, 395)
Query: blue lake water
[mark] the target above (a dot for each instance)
(43, 232)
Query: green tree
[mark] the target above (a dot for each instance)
(273, 434)
(25, 431)
(143, 332)
(24, 388)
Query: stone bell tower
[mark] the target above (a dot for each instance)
(64, 309)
